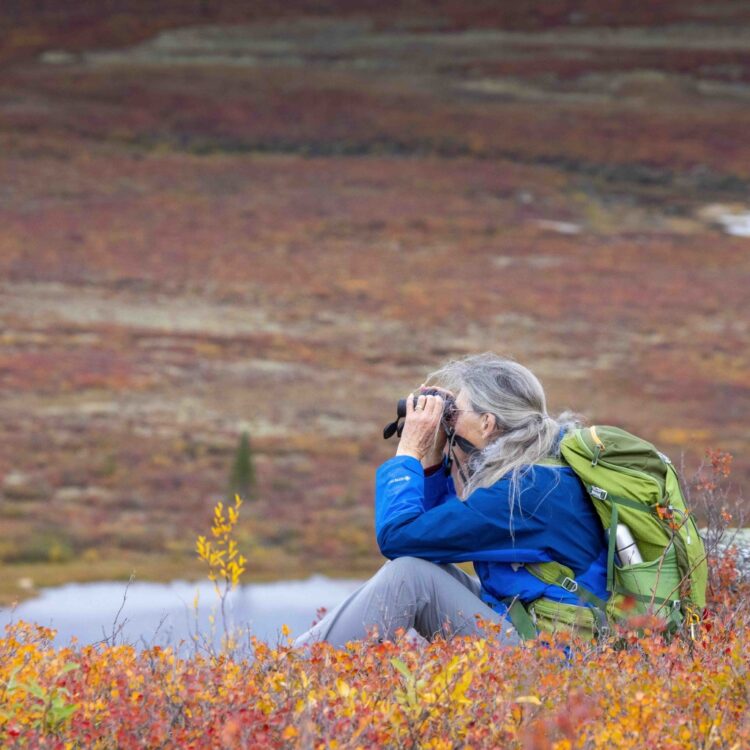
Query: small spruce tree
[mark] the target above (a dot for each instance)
(242, 477)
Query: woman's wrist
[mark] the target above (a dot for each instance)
(407, 451)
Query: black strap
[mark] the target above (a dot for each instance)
(452, 458)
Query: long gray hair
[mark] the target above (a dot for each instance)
(515, 397)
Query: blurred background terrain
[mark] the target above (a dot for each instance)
(269, 219)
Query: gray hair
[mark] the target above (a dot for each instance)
(515, 397)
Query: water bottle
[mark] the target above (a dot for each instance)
(627, 549)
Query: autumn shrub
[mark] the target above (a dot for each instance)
(465, 692)
(640, 689)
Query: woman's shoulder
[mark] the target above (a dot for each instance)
(547, 471)
(544, 480)
(544, 494)
(550, 477)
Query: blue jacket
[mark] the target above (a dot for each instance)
(553, 519)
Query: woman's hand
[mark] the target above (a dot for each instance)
(435, 455)
(421, 427)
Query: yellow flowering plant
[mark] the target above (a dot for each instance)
(221, 554)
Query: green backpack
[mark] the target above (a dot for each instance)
(630, 483)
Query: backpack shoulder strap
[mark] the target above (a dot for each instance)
(551, 461)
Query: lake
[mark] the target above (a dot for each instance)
(162, 614)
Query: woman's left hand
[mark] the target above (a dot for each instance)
(420, 426)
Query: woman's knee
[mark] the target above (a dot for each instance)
(407, 568)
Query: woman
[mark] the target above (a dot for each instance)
(516, 505)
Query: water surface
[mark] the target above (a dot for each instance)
(161, 614)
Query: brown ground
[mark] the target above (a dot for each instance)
(281, 227)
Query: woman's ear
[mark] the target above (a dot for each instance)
(489, 424)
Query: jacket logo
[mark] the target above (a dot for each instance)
(400, 479)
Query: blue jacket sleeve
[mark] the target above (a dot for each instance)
(454, 531)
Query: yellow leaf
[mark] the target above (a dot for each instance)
(289, 733)
(459, 691)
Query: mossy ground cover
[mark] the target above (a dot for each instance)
(191, 252)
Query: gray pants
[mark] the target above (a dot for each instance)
(409, 593)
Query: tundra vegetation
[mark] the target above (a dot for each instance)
(218, 221)
(641, 688)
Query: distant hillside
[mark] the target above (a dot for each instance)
(213, 223)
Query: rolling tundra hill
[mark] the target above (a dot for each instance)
(215, 222)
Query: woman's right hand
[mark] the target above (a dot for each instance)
(435, 455)
(421, 426)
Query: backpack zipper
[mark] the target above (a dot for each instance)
(599, 446)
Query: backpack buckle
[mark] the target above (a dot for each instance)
(598, 492)
(569, 585)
